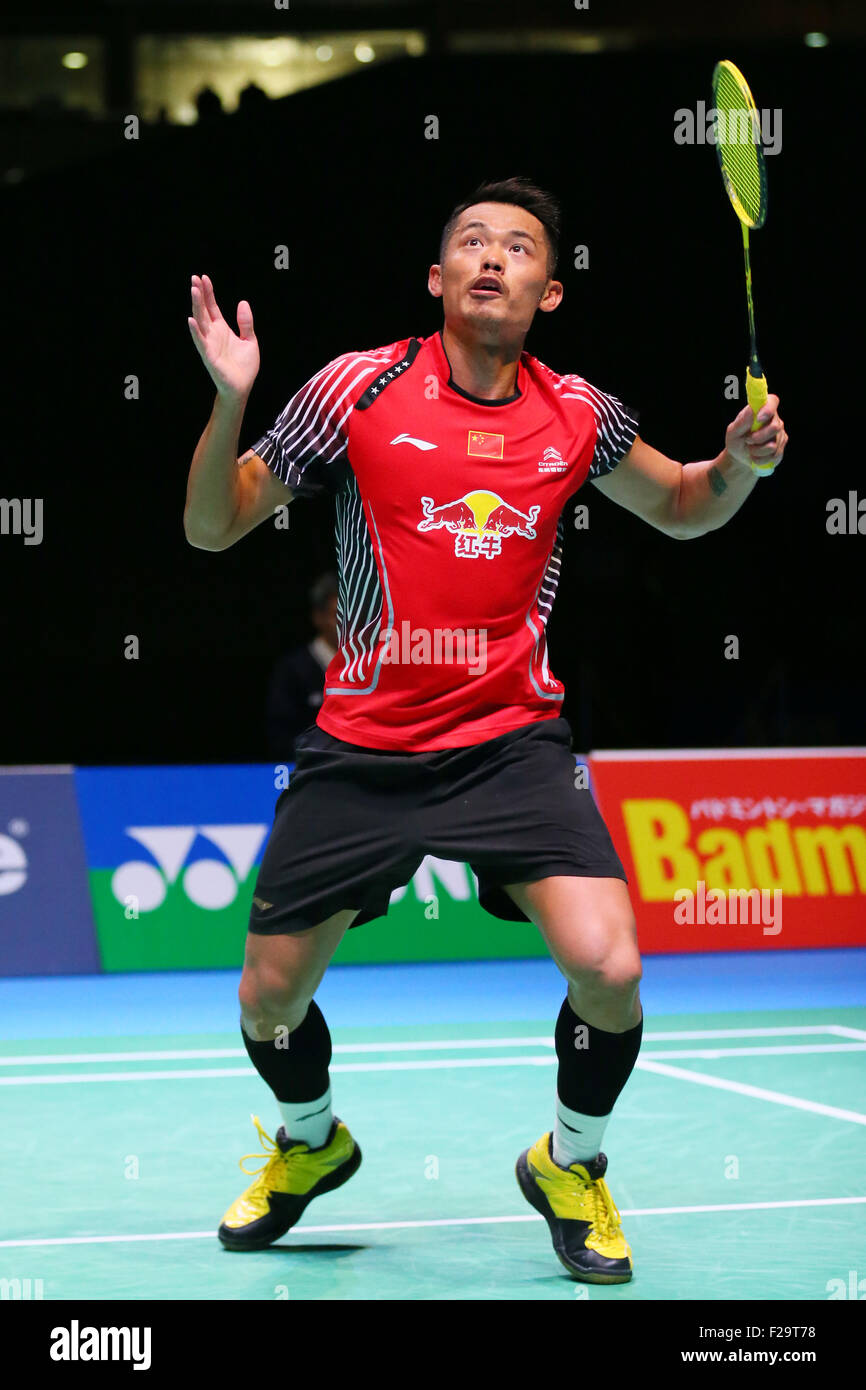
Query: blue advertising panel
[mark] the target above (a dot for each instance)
(46, 918)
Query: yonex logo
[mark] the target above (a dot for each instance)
(209, 883)
(408, 439)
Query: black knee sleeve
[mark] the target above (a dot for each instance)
(592, 1073)
(295, 1065)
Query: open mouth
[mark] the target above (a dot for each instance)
(487, 287)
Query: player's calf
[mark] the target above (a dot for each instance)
(288, 1042)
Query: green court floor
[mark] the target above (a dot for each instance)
(737, 1158)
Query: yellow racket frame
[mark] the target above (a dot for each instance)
(756, 382)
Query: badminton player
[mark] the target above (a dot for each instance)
(451, 460)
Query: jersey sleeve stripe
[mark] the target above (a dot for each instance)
(617, 424)
(310, 431)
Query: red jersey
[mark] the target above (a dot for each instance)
(449, 531)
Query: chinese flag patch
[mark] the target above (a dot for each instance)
(486, 446)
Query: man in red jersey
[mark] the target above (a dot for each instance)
(450, 459)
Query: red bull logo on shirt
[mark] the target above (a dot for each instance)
(479, 522)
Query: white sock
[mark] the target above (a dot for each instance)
(308, 1120)
(576, 1137)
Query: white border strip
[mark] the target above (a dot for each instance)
(18, 771)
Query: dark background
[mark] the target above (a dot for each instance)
(99, 255)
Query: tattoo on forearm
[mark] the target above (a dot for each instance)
(245, 458)
(717, 482)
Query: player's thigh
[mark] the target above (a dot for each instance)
(587, 924)
(288, 967)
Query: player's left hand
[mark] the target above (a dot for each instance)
(763, 450)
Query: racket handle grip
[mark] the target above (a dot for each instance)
(756, 395)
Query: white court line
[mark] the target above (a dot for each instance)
(801, 1030)
(187, 1074)
(782, 1051)
(844, 1032)
(33, 1059)
(212, 1053)
(447, 1221)
(438, 1064)
(759, 1093)
(190, 1073)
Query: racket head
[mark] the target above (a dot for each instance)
(739, 144)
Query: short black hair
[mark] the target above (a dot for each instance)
(521, 192)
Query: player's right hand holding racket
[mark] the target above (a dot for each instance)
(231, 358)
(760, 449)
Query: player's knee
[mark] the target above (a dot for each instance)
(269, 993)
(607, 961)
(623, 973)
(616, 975)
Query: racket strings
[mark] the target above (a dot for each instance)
(738, 137)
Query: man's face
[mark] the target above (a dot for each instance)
(494, 275)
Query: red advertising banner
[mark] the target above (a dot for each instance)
(740, 849)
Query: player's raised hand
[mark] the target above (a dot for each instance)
(231, 358)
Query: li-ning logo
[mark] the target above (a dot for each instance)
(478, 521)
(77, 1343)
(408, 439)
(208, 883)
(552, 461)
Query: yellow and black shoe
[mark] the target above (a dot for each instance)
(578, 1208)
(291, 1176)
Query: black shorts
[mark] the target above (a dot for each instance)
(355, 823)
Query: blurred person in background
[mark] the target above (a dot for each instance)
(296, 686)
